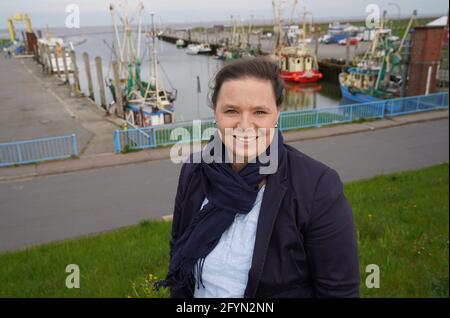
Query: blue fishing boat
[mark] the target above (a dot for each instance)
(147, 103)
(361, 80)
(379, 74)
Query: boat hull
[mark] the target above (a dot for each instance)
(357, 97)
(153, 117)
(301, 77)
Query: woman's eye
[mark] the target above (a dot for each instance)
(260, 112)
(230, 111)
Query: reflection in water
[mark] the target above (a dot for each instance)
(301, 96)
(310, 96)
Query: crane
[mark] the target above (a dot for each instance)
(18, 17)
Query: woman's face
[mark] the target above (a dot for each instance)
(246, 114)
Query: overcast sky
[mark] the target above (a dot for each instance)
(96, 12)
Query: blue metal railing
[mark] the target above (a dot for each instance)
(165, 135)
(38, 150)
(161, 135)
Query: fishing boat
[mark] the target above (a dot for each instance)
(55, 46)
(379, 74)
(180, 43)
(147, 103)
(298, 64)
(195, 49)
(239, 45)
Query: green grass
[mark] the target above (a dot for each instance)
(109, 264)
(402, 226)
(4, 42)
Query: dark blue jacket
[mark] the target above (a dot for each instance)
(305, 241)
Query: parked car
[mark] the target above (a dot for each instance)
(353, 41)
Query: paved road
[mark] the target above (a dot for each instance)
(29, 110)
(62, 206)
(34, 105)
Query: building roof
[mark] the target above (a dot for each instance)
(442, 21)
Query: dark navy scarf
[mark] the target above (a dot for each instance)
(228, 193)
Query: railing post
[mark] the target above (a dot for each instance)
(317, 118)
(383, 107)
(19, 153)
(280, 126)
(443, 99)
(417, 104)
(389, 109)
(154, 137)
(117, 146)
(74, 145)
(351, 113)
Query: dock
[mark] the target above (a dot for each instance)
(327, 54)
(38, 105)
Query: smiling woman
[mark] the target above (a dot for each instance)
(240, 231)
(246, 108)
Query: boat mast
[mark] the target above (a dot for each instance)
(128, 35)
(116, 31)
(291, 19)
(305, 14)
(233, 36)
(249, 31)
(277, 26)
(155, 61)
(49, 36)
(304, 26)
(381, 73)
(413, 19)
(138, 51)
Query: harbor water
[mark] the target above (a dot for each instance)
(178, 70)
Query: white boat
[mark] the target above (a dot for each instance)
(194, 49)
(180, 43)
(55, 45)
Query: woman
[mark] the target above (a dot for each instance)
(241, 232)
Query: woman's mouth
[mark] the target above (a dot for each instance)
(245, 140)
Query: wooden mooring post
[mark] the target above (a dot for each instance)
(49, 59)
(58, 70)
(76, 85)
(36, 53)
(347, 52)
(39, 53)
(87, 68)
(117, 84)
(66, 70)
(101, 84)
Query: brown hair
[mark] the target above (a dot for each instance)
(258, 68)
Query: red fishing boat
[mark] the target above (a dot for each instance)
(298, 64)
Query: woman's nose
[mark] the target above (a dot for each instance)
(245, 122)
